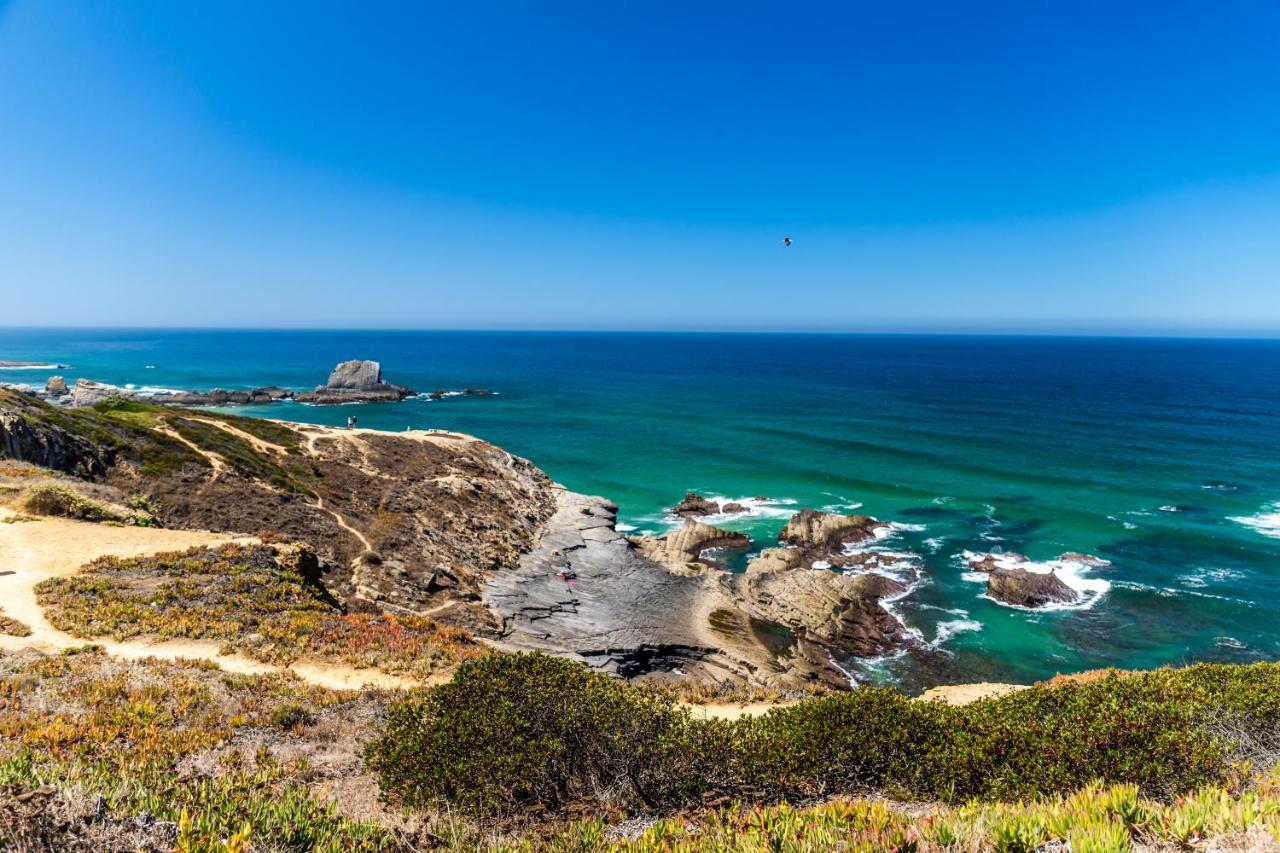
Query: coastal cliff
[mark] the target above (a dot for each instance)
(448, 526)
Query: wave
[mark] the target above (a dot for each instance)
(952, 627)
(751, 508)
(1073, 573)
(35, 367)
(1266, 522)
(1201, 578)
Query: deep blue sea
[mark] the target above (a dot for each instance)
(1160, 455)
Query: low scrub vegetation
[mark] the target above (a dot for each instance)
(528, 733)
(262, 601)
(13, 627)
(1095, 819)
(175, 752)
(66, 502)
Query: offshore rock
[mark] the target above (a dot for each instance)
(355, 381)
(1020, 587)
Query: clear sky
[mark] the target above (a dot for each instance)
(1034, 166)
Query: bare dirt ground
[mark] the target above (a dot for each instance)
(34, 550)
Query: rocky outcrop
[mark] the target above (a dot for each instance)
(87, 393)
(355, 382)
(56, 386)
(812, 529)
(685, 549)
(694, 505)
(50, 446)
(836, 611)
(1023, 588)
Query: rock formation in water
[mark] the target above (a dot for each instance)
(1029, 589)
(355, 381)
(694, 505)
(684, 550)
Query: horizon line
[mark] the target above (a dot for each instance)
(1175, 334)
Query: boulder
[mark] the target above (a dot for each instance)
(1029, 589)
(56, 386)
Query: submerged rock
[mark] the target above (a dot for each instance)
(991, 562)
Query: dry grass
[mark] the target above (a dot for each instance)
(262, 601)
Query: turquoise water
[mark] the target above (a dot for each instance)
(1162, 456)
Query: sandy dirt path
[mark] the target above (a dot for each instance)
(32, 551)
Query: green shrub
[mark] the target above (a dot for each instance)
(527, 731)
(511, 731)
(67, 503)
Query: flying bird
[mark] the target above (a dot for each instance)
(786, 241)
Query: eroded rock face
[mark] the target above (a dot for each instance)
(683, 550)
(1029, 589)
(50, 447)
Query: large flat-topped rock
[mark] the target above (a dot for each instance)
(356, 381)
(355, 374)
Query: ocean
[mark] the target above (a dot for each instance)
(1159, 455)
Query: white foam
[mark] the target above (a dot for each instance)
(1230, 643)
(35, 367)
(950, 628)
(624, 528)
(1201, 578)
(751, 508)
(1127, 525)
(1266, 522)
(821, 564)
(1170, 508)
(935, 544)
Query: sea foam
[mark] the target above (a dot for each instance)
(1073, 573)
(1266, 522)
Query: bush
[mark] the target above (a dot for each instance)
(529, 731)
(67, 503)
(511, 731)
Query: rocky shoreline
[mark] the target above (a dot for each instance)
(356, 381)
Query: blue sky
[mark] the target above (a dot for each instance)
(1023, 166)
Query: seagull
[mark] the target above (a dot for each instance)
(786, 241)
